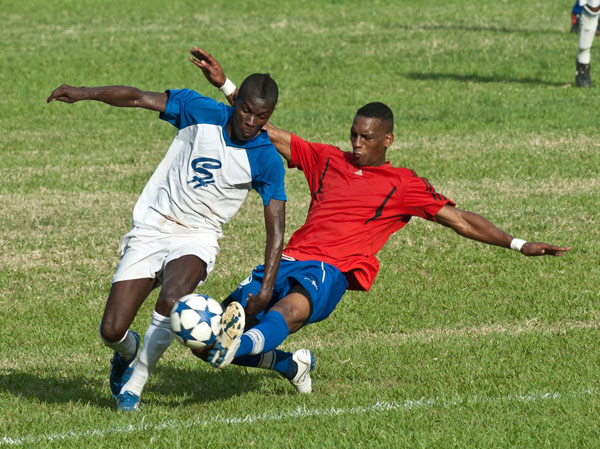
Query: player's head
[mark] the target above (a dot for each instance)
(372, 134)
(255, 102)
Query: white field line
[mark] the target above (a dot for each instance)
(300, 412)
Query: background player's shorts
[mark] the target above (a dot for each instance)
(325, 284)
(146, 252)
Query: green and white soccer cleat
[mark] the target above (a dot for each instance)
(229, 339)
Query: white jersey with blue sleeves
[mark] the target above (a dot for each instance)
(204, 177)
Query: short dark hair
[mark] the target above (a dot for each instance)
(380, 111)
(260, 85)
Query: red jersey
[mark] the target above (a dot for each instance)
(354, 210)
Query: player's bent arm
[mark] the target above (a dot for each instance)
(474, 226)
(120, 96)
(213, 72)
(281, 139)
(275, 226)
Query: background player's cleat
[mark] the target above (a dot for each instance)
(229, 339)
(120, 372)
(306, 363)
(128, 402)
(582, 75)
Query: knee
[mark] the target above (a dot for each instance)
(295, 314)
(111, 332)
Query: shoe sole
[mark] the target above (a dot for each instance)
(233, 321)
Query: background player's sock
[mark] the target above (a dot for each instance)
(588, 23)
(265, 336)
(126, 346)
(157, 339)
(276, 359)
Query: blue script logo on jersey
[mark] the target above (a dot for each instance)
(202, 167)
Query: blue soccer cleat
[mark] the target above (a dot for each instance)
(128, 402)
(306, 363)
(229, 339)
(120, 372)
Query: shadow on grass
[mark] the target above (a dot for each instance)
(167, 385)
(202, 383)
(474, 78)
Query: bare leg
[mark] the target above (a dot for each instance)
(295, 309)
(124, 301)
(181, 276)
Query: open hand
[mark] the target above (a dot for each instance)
(210, 66)
(543, 249)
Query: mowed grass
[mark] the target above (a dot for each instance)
(456, 345)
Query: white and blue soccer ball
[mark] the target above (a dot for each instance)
(196, 320)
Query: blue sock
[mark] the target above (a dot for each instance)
(276, 359)
(265, 336)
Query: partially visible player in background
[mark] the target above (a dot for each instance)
(218, 155)
(585, 21)
(358, 200)
(575, 16)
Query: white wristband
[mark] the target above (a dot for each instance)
(228, 88)
(517, 244)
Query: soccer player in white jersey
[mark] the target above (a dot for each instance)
(588, 24)
(218, 154)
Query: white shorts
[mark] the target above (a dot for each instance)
(146, 252)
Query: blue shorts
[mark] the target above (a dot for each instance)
(325, 284)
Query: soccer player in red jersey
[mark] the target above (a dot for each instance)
(358, 200)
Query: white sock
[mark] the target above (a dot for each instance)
(588, 22)
(157, 339)
(125, 346)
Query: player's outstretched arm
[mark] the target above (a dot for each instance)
(275, 225)
(121, 96)
(215, 75)
(474, 226)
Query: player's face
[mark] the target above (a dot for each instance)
(249, 116)
(369, 141)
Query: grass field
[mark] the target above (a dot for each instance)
(457, 345)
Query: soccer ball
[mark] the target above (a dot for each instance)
(196, 320)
